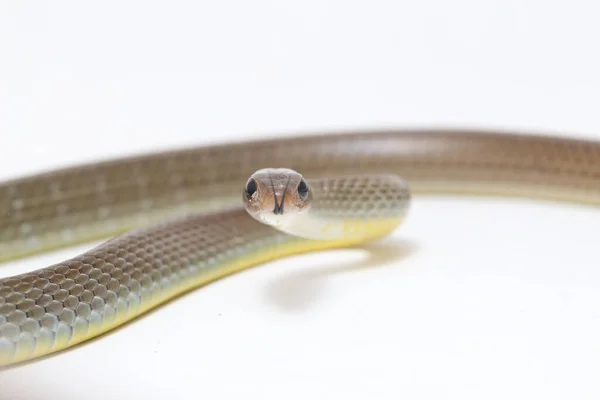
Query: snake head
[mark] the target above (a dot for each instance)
(276, 196)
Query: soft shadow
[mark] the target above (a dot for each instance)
(293, 292)
(297, 290)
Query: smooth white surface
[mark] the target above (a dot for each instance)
(472, 299)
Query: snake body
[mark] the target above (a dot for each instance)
(189, 228)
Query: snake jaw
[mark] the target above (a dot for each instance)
(276, 200)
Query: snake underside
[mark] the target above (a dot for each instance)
(205, 235)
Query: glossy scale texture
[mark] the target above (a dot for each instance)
(59, 306)
(56, 307)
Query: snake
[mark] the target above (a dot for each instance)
(175, 220)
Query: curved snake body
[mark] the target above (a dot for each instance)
(194, 230)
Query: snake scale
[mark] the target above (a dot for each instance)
(176, 219)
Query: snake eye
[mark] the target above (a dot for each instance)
(303, 190)
(250, 188)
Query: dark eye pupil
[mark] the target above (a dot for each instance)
(303, 190)
(250, 187)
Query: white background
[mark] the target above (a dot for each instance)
(471, 299)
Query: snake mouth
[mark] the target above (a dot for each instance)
(275, 219)
(275, 198)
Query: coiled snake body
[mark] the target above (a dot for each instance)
(190, 228)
